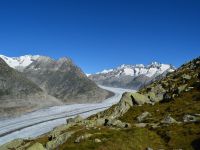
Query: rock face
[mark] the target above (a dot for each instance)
(64, 80)
(17, 93)
(132, 76)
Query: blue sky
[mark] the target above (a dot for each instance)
(101, 34)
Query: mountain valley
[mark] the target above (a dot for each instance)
(163, 115)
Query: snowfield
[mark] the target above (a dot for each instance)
(42, 121)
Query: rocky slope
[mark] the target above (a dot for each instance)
(18, 94)
(64, 80)
(132, 76)
(163, 115)
(61, 78)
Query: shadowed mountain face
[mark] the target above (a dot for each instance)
(14, 83)
(132, 76)
(64, 80)
(18, 94)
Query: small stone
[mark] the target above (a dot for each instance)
(169, 120)
(140, 125)
(185, 76)
(117, 123)
(190, 118)
(97, 140)
(77, 119)
(181, 88)
(83, 137)
(143, 116)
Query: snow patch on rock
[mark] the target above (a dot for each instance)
(20, 62)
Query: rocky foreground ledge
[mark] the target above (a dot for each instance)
(164, 115)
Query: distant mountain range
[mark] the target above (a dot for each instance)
(31, 82)
(132, 76)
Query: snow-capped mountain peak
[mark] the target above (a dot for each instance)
(19, 62)
(132, 76)
(154, 68)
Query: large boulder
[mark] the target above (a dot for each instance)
(54, 143)
(127, 101)
(139, 99)
(36, 146)
(156, 93)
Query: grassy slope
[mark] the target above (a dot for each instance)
(175, 136)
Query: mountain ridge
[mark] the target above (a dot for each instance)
(125, 76)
